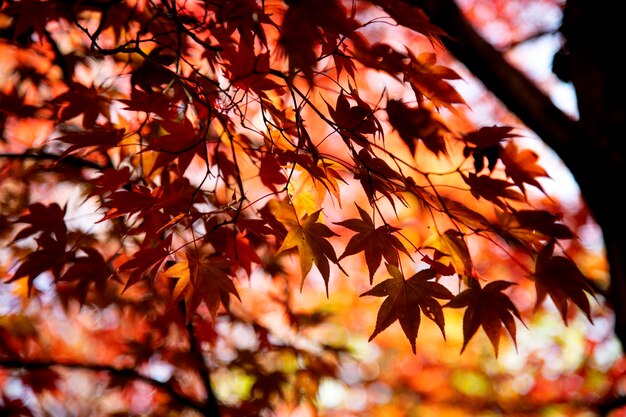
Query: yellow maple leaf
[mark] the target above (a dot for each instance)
(309, 237)
(452, 245)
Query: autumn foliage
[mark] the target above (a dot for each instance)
(173, 172)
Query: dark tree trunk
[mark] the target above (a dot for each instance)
(593, 147)
(595, 35)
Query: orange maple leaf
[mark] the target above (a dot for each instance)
(522, 167)
(201, 279)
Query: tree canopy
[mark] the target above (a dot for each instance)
(253, 207)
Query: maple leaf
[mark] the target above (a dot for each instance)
(248, 70)
(146, 262)
(99, 138)
(487, 307)
(382, 57)
(110, 180)
(415, 124)
(87, 270)
(531, 228)
(304, 27)
(374, 242)
(201, 279)
(15, 406)
(406, 298)
(452, 251)
(270, 172)
(463, 214)
(83, 100)
(491, 189)
(560, 278)
(27, 19)
(521, 167)
(427, 80)
(456, 210)
(310, 238)
(45, 219)
(246, 16)
(153, 72)
(411, 17)
(353, 121)
(375, 175)
(441, 268)
(488, 136)
(233, 245)
(150, 102)
(181, 143)
(50, 255)
(124, 202)
(543, 222)
(241, 252)
(41, 380)
(485, 143)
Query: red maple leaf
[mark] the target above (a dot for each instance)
(49, 256)
(487, 307)
(353, 121)
(415, 124)
(304, 28)
(83, 100)
(49, 220)
(99, 138)
(41, 380)
(411, 17)
(492, 189)
(485, 143)
(85, 271)
(270, 172)
(560, 278)
(182, 142)
(110, 180)
(374, 242)
(146, 262)
(375, 175)
(406, 298)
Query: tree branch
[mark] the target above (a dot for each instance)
(211, 407)
(533, 36)
(512, 87)
(605, 408)
(592, 148)
(505, 81)
(120, 372)
(46, 156)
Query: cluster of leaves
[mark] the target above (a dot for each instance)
(219, 137)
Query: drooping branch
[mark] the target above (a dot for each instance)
(128, 373)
